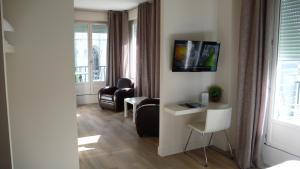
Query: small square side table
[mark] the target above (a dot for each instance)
(134, 101)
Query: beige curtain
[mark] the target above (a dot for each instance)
(148, 49)
(255, 52)
(118, 46)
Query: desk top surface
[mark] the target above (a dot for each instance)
(178, 110)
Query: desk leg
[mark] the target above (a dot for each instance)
(133, 112)
(125, 109)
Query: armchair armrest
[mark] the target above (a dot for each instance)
(120, 95)
(148, 101)
(107, 90)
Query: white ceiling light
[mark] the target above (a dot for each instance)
(107, 4)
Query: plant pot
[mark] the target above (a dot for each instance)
(215, 99)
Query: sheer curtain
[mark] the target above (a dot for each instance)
(148, 49)
(255, 52)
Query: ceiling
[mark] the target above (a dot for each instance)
(106, 4)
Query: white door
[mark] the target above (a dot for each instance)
(90, 44)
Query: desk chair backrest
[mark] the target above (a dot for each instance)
(218, 119)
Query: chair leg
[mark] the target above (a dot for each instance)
(229, 145)
(211, 136)
(188, 140)
(204, 149)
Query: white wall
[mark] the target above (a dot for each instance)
(194, 20)
(87, 99)
(40, 84)
(91, 16)
(100, 16)
(228, 31)
(133, 14)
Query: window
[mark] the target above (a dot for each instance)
(81, 52)
(99, 46)
(284, 122)
(132, 55)
(287, 94)
(90, 44)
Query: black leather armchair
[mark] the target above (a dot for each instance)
(113, 97)
(147, 118)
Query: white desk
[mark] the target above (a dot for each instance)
(177, 110)
(134, 101)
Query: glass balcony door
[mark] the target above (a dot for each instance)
(284, 121)
(90, 43)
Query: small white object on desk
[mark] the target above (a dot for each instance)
(179, 110)
(204, 98)
(134, 101)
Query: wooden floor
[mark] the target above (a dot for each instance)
(119, 146)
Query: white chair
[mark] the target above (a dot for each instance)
(216, 120)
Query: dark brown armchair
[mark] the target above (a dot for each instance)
(113, 97)
(147, 118)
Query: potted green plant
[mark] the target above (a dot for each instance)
(215, 93)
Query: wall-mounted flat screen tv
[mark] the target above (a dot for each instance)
(195, 56)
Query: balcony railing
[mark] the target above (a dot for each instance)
(82, 74)
(99, 73)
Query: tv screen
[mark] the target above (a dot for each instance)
(195, 56)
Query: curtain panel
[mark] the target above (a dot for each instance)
(255, 54)
(148, 49)
(118, 46)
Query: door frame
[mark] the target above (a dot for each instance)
(5, 140)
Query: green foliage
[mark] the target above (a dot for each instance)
(210, 61)
(215, 93)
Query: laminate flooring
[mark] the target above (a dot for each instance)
(107, 140)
